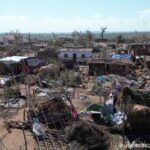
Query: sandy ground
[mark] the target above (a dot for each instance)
(82, 104)
(15, 139)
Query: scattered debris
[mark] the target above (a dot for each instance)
(15, 103)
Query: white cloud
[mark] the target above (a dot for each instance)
(145, 11)
(140, 22)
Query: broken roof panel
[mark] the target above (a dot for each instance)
(111, 61)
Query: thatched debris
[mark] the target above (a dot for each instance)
(87, 135)
(135, 96)
(48, 71)
(30, 80)
(54, 113)
(139, 121)
(12, 93)
(55, 104)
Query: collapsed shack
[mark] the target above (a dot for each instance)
(48, 121)
(137, 125)
(87, 136)
(58, 110)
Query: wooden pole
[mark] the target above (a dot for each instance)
(25, 140)
(26, 95)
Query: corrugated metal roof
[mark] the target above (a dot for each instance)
(13, 59)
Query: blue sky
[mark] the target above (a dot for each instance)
(69, 15)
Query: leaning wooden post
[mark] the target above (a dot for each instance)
(26, 95)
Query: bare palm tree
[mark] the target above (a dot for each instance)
(103, 30)
(17, 36)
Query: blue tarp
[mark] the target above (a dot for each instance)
(101, 78)
(121, 56)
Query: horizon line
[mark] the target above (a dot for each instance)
(70, 32)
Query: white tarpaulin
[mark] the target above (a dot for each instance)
(4, 80)
(12, 59)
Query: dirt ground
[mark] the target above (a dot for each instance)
(82, 104)
(15, 139)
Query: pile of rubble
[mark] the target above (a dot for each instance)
(86, 135)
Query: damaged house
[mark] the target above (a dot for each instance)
(117, 64)
(111, 66)
(71, 56)
(17, 64)
(12, 64)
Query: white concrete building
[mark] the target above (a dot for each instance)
(77, 54)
